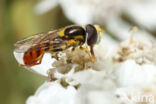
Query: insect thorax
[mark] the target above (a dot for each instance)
(76, 33)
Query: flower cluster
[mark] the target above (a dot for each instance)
(123, 73)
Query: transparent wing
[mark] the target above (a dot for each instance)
(34, 40)
(51, 37)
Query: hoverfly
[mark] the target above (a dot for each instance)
(58, 40)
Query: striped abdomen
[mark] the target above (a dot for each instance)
(33, 56)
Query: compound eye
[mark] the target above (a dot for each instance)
(92, 34)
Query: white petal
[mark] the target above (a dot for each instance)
(45, 5)
(53, 93)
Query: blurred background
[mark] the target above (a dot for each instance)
(17, 20)
(21, 18)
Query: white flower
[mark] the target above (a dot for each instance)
(53, 93)
(109, 80)
(124, 73)
(136, 83)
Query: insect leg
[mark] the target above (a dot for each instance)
(90, 53)
(21, 65)
(55, 56)
(73, 50)
(86, 49)
(39, 60)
